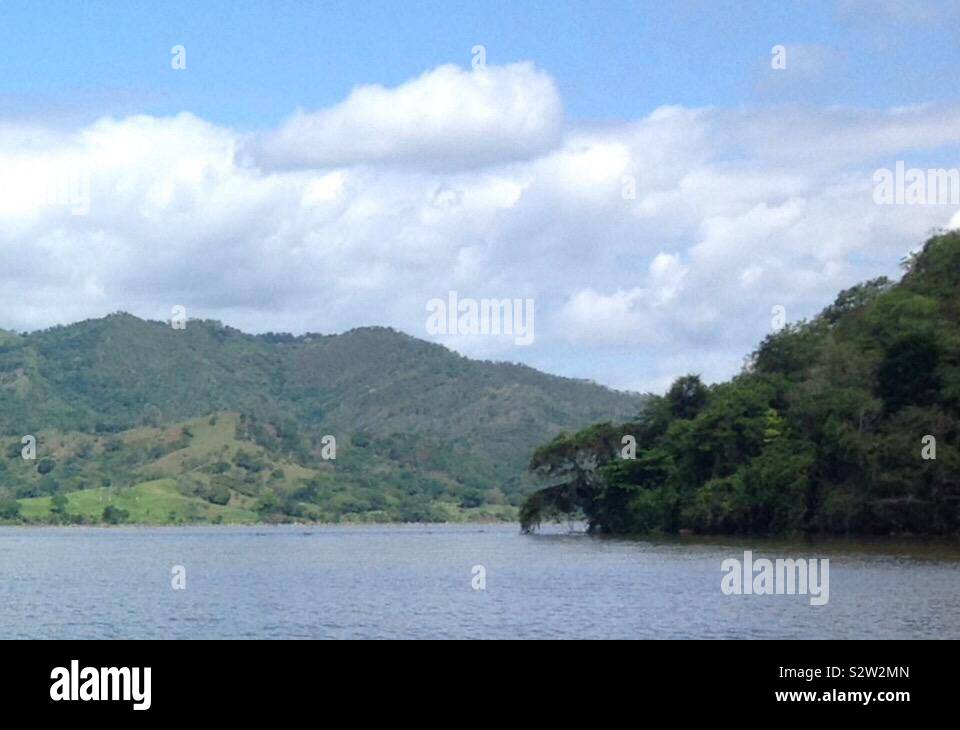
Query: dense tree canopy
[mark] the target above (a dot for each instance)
(848, 423)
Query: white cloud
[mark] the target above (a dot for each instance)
(447, 118)
(735, 211)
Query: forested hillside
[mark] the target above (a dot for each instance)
(845, 424)
(218, 417)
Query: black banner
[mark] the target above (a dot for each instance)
(141, 682)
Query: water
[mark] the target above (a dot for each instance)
(415, 582)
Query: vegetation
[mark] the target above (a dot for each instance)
(827, 430)
(137, 422)
(156, 502)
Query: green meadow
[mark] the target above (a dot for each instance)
(158, 502)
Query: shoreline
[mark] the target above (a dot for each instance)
(247, 525)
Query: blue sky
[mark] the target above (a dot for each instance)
(324, 166)
(252, 63)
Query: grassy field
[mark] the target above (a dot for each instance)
(211, 469)
(155, 502)
(160, 502)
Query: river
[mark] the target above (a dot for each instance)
(451, 581)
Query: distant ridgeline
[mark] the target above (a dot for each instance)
(846, 424)
(124, 420)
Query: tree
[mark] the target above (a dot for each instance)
(577, 460)
(687, 396)
(267, 503)
(115, 515)
(9, 507)
(218, 493)
(908, 373)
(58, 504)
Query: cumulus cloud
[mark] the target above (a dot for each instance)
(447, 118)
(651, 247)
(623, 316)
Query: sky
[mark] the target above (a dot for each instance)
(646, 173)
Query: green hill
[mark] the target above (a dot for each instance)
(848, 423)
(239, 422)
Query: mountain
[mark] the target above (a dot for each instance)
(845, 424)
(231, 426)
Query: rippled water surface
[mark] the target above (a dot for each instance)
(415, 582)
